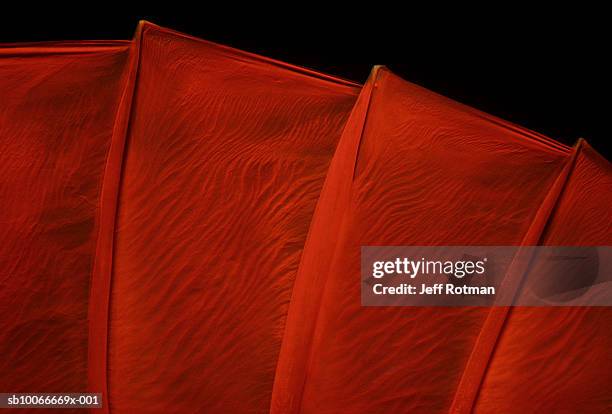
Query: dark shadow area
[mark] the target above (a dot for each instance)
(554, 80)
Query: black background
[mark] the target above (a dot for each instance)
(548, 74)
